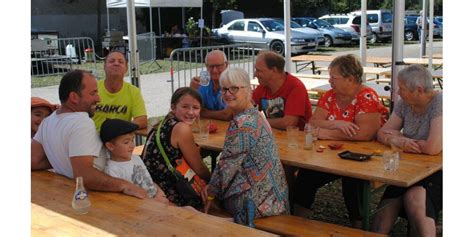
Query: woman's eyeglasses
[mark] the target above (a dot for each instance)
(232, 89)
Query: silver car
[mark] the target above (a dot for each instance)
(351, 24)
(298, 27)
(332, 35)
(265, 33)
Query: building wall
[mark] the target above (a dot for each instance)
(81, 18)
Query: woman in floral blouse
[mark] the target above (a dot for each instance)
(249, 180)
(349, 111)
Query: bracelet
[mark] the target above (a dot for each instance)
(210, 198)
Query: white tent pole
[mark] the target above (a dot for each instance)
(108, 22)
(159, 21)
(430, 59)
(423, 31)
(152, 38)
(183, 19)
(363, 35)
(287, 16)
(132, 44)
(397, 47)
(200, 29)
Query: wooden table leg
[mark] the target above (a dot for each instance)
(365, 204)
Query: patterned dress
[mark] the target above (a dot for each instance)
(156, 164)
(366, 101)
(250, 168)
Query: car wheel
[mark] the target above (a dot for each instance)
(327, 41)
(373, 39)
(409, 35)
(278, 47)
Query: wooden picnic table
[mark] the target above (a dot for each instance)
(115, 214)
(308, 82)
(436, 62)
(379, 88)
(377, 71)
(412, 168)
(303, 61)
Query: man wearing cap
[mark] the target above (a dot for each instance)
(40, 109)
(67, 140)
(213, 105)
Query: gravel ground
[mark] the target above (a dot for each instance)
(329, 207)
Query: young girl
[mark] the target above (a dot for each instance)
(177, 141)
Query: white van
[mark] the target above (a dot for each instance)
(381, 23)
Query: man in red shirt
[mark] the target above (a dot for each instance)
(282, 97)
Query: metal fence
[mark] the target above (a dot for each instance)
(187, 63)
(58, 56)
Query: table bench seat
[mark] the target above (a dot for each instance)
(287, 225)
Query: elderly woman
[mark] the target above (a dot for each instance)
(416, 127)
(349, 111)
(249, 179)
(177, 140)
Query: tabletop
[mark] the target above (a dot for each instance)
(412, 168)
(379, 88)
(117, 214)
(308, 82)
(329, 58)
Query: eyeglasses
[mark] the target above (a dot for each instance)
(218, 66)
(232, 89)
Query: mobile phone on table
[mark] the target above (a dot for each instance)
(353, 156)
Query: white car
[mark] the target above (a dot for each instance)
(349, 23)
(381, 23)
(265, 33)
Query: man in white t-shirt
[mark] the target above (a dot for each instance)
(67, 140)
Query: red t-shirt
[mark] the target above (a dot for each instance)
(366, 101)
(291, 99)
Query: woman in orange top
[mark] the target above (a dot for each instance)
(349, 111)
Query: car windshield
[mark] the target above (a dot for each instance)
(292, 23)
(272, 25)
(322, 23)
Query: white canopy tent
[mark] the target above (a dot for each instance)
(131, 22)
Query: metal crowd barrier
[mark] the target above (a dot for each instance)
(187, 63)
(51, 56)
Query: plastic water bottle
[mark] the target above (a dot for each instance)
(80, 200)
(308, 137)
(70, 51)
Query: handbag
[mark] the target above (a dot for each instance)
(188, 183)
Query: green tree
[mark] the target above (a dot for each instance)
(221, 5)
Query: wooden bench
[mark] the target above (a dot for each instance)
(287, 225)
(312, 76)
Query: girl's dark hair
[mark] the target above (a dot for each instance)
(180, 92)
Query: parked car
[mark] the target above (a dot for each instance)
(349, 23)
(381, 23)
(411, 29)
(265, 33)
(439, 18)
(297, 27)
(332, 35)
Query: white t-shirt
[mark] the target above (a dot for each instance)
(133, 171)
(68, 135)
